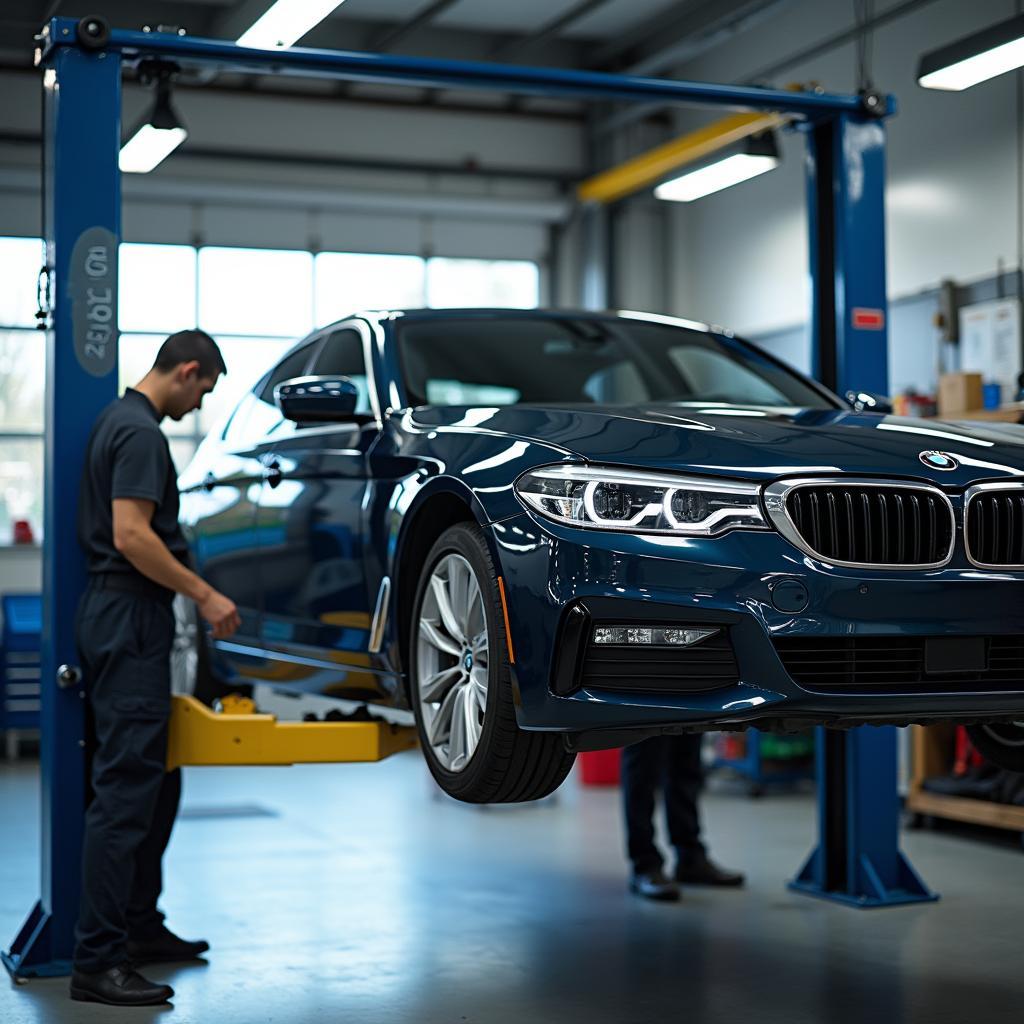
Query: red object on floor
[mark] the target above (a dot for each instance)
(23, 532)
(600, 767)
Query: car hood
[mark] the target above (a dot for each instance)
(752, 442)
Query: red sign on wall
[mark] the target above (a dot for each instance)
(868, 319)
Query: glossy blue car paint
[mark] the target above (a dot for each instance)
(305, 558)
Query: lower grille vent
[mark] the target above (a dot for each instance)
(866, 664)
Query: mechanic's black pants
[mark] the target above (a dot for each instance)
(124, 640)
(671, 764)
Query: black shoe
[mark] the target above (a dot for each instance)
(653, 885)
(118, 986)
(705, 872)
(164, 946)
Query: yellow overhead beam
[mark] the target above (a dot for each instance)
(656, 164)
(199, 736)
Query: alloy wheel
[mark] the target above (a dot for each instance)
(184, 649)
(452, 662)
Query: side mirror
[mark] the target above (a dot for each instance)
(317, 399)
(866, 401)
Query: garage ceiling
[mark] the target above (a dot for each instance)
(606, 34)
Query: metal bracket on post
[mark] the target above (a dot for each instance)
(858, 860)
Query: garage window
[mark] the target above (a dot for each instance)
(255, 302)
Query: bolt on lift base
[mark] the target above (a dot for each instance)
(200, 736)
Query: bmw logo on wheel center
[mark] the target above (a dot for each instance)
(939, 460)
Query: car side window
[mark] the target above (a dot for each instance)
(257, 414)
(342, 355)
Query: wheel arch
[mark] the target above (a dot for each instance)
(422, 525)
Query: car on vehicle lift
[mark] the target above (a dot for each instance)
(551, 531)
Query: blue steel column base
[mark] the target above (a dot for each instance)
(31, 953)
(869, 890)
(857, 861)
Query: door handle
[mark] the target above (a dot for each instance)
(272, 473)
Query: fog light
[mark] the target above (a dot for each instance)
(650, 636)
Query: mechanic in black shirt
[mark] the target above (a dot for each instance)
(128, 526)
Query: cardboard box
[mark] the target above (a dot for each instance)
(959, 393)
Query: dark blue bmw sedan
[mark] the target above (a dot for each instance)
(549, 531)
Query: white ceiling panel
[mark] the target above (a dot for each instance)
(520, 18)
(615, 17)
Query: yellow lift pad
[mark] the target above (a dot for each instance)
(200, 736)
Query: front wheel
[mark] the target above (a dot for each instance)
(461, 686)
(1002, 743)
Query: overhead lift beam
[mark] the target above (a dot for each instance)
(83, 62)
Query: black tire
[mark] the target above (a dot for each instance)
(509, 765)
(1002, 743)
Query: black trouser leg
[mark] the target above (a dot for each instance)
(125, 644)
(143, 917)
(684, 778)
(642, 767)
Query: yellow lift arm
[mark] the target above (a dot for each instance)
(200, 736)
(655, 164)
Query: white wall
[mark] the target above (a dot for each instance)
(952, 164)
(21, 570)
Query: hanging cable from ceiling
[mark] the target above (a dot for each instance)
(864, 15)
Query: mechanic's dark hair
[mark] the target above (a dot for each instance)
(189, 346)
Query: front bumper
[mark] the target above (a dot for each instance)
(548, 568)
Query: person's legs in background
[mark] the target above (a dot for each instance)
(643, 768)
(683, 782)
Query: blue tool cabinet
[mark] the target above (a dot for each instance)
(20, 666)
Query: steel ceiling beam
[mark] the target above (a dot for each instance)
(433, 73)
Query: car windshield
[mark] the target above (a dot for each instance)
(491, 361)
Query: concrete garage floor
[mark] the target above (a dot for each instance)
(351, 894)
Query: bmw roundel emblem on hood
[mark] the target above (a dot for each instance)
(939, 460)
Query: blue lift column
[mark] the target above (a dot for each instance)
(83, 203)
(857, 860)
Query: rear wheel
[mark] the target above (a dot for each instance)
(185, 649)
(192, 673)
(1001, 742)
(461, 687)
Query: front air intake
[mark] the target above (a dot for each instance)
(865, 524)
(994, 527)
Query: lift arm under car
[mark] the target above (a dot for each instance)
(200, 736)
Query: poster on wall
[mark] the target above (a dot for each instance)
(990, 343)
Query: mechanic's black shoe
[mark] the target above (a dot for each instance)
(163, 946)
(653, 885)
(706, 872)
(118, 986)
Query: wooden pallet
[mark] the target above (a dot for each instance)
(931, 755)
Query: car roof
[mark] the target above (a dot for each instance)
(477, 312)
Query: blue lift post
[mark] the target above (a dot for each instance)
(83, 99)
(857, 860)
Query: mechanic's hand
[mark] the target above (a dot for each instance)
(220, 612)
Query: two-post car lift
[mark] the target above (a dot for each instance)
(857, 859)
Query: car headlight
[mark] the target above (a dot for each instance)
(638, 502)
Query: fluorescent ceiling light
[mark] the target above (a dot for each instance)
(148, 147)
(155, 138)
(757, 156)
(988, 53)
(286, 22)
